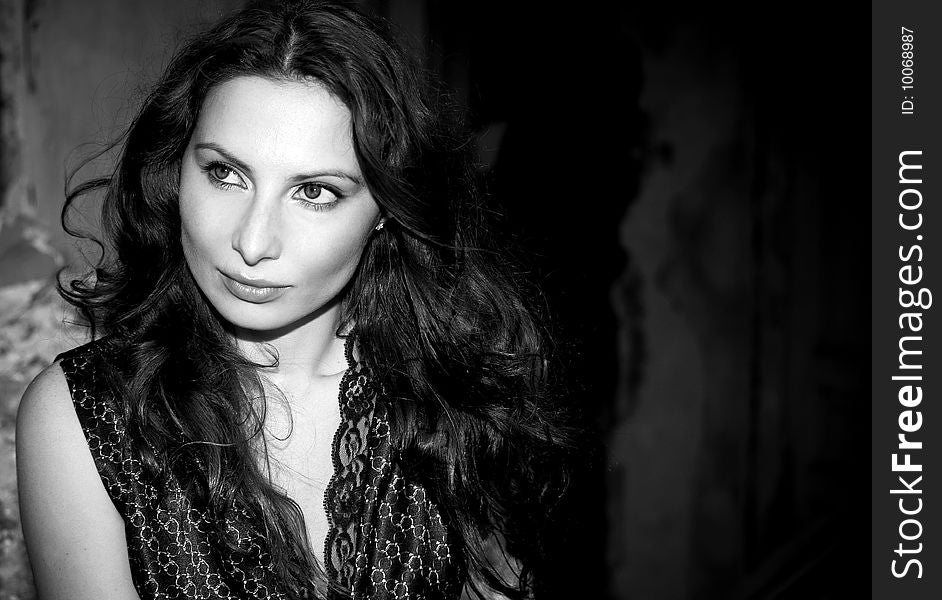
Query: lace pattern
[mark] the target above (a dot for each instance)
(343, 499)
(386, 539)
(171, 549)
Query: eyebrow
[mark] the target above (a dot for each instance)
(295, 179)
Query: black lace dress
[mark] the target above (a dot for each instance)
(386, 538)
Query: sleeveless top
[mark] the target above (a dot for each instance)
(386, 538)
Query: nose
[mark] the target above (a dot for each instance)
(257, 235)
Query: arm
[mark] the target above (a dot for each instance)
(74, 535)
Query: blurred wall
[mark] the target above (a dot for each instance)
(737, 452)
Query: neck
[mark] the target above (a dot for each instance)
(306, 351)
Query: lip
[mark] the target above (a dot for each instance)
(256, 291)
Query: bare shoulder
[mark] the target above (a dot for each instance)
(46, 404)
(74, 535)
(46, 422)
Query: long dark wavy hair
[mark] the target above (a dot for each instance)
(440, 312)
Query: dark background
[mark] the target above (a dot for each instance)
(689, 179)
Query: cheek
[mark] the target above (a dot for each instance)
(200, 230)
(190, 232)
(334, 256)
(201, 213)
(191, 252)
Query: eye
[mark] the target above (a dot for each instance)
(311, 191)
(318, 196)
(223, 175)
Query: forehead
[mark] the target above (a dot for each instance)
(277, 122)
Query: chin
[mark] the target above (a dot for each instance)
(273, 318)
(252, 320)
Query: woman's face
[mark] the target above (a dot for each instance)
(274, 209)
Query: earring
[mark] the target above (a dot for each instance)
(380, 226)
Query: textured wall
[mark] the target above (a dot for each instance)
(734, 474)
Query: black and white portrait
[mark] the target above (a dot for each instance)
(430, 299)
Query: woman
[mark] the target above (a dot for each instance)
(293, 220)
